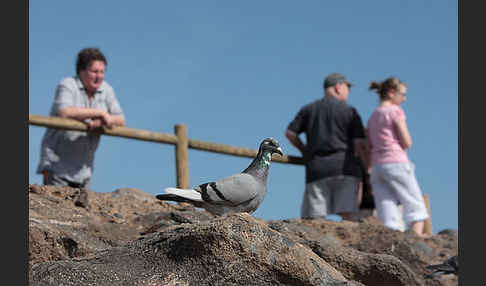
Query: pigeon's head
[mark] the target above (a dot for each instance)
(271, 145)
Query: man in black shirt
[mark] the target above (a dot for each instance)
(335, 137)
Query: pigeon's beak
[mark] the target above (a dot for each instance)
(279, 151)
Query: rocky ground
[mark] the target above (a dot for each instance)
(128, 237)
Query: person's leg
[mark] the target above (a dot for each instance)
(386, 203)
(418, 228)
(410, 195)
(82, 199)
(345, 192)
(316, 201)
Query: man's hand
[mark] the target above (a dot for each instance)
(94, 115)
(95, 124)
(107, 120)
(297, 143)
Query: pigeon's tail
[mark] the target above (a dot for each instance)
(185, 193)
(181, 196)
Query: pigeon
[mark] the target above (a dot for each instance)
(242, 192)
(450, 266)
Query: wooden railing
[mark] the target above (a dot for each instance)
(181, 142)
(179, 139)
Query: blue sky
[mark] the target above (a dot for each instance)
(236, 72)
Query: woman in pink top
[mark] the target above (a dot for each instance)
(392, 174)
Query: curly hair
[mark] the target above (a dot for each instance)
(86, 56)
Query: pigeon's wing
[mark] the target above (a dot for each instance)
(232, 190)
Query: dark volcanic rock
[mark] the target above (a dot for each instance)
(233, 250)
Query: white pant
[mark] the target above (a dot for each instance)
(395, 183)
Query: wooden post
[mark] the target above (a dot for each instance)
(428, 222)
(181, 151)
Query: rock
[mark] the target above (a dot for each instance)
(423, 247)
(82, 199)
(367, 268)
(232, 250)
(100, 243)
(370, 237)
(450, 233)
(56, 224)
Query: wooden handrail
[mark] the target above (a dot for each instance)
(71, 124)
(241, 152)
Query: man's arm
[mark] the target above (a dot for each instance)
(98, 117)
(65, 107)
(118, 120)
(65, 103)
(81, 113)
(116, 113)
(360, 144)
(362, 150)
(295, 141)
